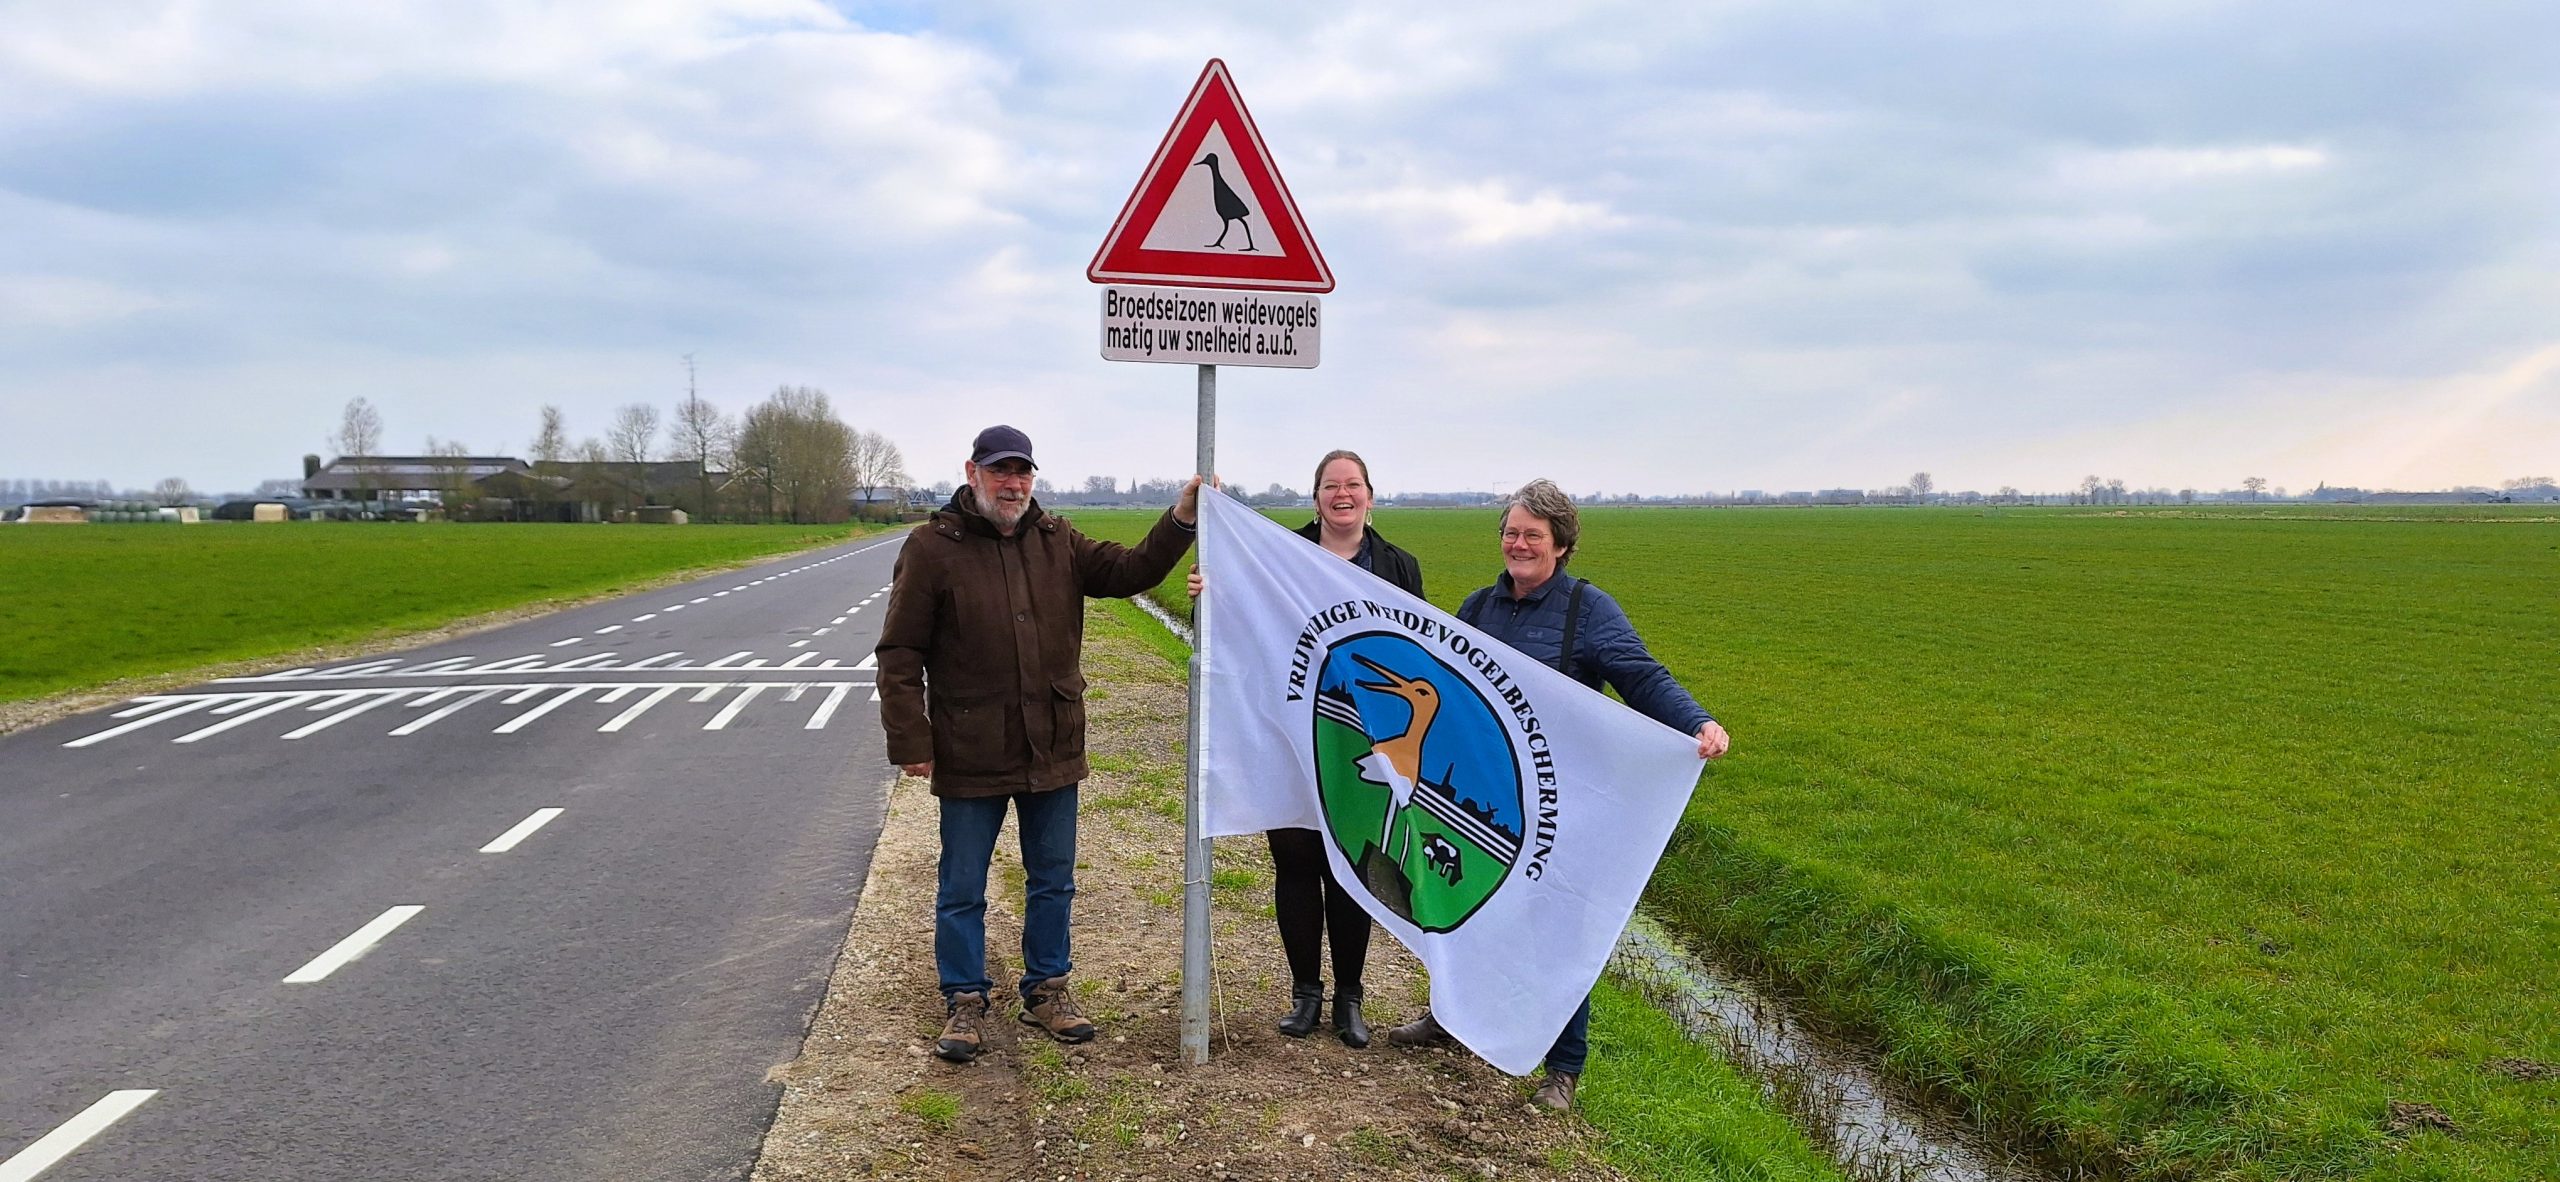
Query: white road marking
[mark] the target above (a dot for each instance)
(283, 701)
(339, 705)
(721, 594)
(598, 661)
(73, 1133)
(564, 643)
(725, 662)
(645, 662)
(637, 709)
(524, 829)
(440, 715)
(643, 619)
(138, 724)
(674, 607)
(699, 599)
(838, 620)
(827, 709)
(356, 944)
(870, 660)
(608, 628)
(521, 721)
(746, 694)
(797, 661)
(822, 631)
(799, 644)
(315, 728)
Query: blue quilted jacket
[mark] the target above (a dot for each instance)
(1606, 649)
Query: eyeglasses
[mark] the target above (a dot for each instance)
(1332, 487)
(1007, 472)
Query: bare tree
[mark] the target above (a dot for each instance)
(552, 442)
(359, 434)
(633, 437)
(450, 459)
(2115, 491)
(699, 433)
(172, 491)
(2257, 486)
(2089, 486)
(794, 446)
(878, 464)
(2008, 494)
(1921, 487)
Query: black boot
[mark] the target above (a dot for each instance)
(1306, 1008)
(1346, 1016)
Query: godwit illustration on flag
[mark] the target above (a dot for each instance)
(1496, 817)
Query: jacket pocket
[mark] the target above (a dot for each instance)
(1066, 715)
(976, 733)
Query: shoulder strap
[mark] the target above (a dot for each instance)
(1572, 624)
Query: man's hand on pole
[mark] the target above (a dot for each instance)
(1187, 510)
(924, 769)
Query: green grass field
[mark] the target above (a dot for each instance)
(81, 605)
(2174, 844)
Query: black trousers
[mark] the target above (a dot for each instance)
(1309, 903)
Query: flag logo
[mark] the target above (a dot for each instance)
(1419, 782)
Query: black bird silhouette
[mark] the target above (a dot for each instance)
(1231, 208)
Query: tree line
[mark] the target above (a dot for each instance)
(790, 457)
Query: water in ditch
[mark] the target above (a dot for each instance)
(1872, 1128)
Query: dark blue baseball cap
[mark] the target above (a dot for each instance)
(999, 443)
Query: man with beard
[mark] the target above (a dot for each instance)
(987, 606)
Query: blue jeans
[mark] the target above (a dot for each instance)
(1573, 1047)
(1047, 825)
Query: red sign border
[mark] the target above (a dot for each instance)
(1122, 258)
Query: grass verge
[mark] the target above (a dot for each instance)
(81, 606)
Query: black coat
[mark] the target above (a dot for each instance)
(1386, 560)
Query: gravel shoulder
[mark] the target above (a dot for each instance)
(866, 1098)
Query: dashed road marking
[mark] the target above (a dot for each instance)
(356, 944)
(35, 1159)
(564, 643)
(523, 829)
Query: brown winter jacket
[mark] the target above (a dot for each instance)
(996, 626)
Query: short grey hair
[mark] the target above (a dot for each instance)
(1548, 503)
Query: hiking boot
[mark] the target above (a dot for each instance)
(1556, 1091)
(1306, 1008)
(1421, 1032)
(959, 1041)
(1051, 1006)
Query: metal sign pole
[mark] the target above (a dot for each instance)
(1195, 846)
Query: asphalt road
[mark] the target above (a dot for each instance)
(599, 1000)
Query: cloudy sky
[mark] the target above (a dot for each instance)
(1634, 247)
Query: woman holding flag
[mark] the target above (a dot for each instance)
(1565, 622)
(1306, 900)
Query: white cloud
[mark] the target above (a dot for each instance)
(69, 301)
(2162, 166)
(1482, 213)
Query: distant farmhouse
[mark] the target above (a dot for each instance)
(505, 488)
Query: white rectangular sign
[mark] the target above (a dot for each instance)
(1196, 326)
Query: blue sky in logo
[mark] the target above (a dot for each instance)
(1467, 747)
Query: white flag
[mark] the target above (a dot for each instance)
(1496, 816)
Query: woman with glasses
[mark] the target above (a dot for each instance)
(1306, 900)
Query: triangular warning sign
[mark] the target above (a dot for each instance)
(1211, 210)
